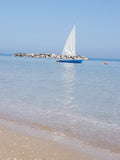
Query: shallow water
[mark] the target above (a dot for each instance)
(79, 100)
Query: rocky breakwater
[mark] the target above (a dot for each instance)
(40, 55)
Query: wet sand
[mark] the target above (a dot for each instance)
(18, 146)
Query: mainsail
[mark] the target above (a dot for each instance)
(69, 48)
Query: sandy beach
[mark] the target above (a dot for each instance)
(14, 145)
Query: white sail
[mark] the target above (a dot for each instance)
(69, 48)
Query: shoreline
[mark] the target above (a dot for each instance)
(33, 143)
(18, 146)
(46, 131)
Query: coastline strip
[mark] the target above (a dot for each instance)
(14, 145)
(27, 142)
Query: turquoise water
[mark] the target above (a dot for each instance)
(79, 100)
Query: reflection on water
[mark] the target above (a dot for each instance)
(81, 101)
(68, 78)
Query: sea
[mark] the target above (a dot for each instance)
(78, 101)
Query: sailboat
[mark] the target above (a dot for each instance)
(69, 49)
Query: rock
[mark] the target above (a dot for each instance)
(41, 55)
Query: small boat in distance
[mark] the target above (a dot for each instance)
(69, 50)
(70, 60)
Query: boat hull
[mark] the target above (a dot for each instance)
(70, 61)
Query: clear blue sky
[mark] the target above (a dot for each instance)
(43, 26)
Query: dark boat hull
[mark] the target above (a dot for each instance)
(70, 61)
